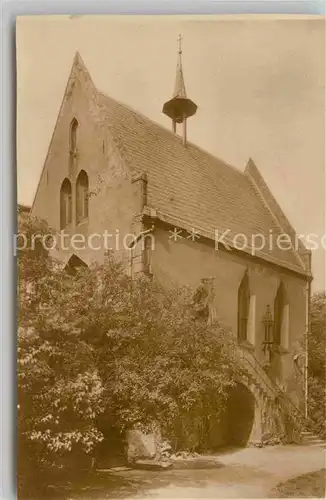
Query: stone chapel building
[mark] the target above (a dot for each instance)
(109, 168)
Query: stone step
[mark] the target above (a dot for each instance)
(314, 441)
(311, 436)
(315, 445)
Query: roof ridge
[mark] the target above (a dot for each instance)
(171, 133)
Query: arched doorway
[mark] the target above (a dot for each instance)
(239, 415)
(73, 264)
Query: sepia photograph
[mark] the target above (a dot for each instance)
(170, 245)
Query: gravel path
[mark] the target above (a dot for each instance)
(246, 473)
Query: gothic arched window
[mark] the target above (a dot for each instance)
(280, 316)
(65, 204)
(82, 196)
(243, 307)
(73, 137)
(73, 142)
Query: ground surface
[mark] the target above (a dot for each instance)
(307, 485)
(245, 473)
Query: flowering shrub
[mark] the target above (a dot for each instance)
(317, 364)
(60, 391)
(100, 344)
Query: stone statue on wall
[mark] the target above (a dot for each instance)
(203, 301)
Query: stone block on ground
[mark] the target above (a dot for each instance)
(141, 445)
(115, 469)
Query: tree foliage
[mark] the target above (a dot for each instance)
(98, 344)
(60, 392)
(317, 363)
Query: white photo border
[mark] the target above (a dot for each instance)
(9, 11)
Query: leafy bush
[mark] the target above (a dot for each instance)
(60, 392)
(98, 346)
(317, 364)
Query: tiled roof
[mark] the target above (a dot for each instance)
(190, 186)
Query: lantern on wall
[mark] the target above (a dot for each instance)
(268, 325)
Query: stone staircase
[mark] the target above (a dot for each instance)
(277, 412)
(311, 439)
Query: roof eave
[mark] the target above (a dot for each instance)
(248, 252)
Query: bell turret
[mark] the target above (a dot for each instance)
(180, 107)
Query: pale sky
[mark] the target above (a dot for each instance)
(259, 85)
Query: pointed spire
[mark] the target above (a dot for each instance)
(179, 87)
(179, 108)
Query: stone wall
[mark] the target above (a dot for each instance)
(184, 262)
(113, 199)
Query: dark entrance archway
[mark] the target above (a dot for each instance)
(239, 415)
(73, 264)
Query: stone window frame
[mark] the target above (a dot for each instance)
(73, 145)
(82, 197)
(281, 318)
(65, 203)
(244, 295)
(73, 137)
